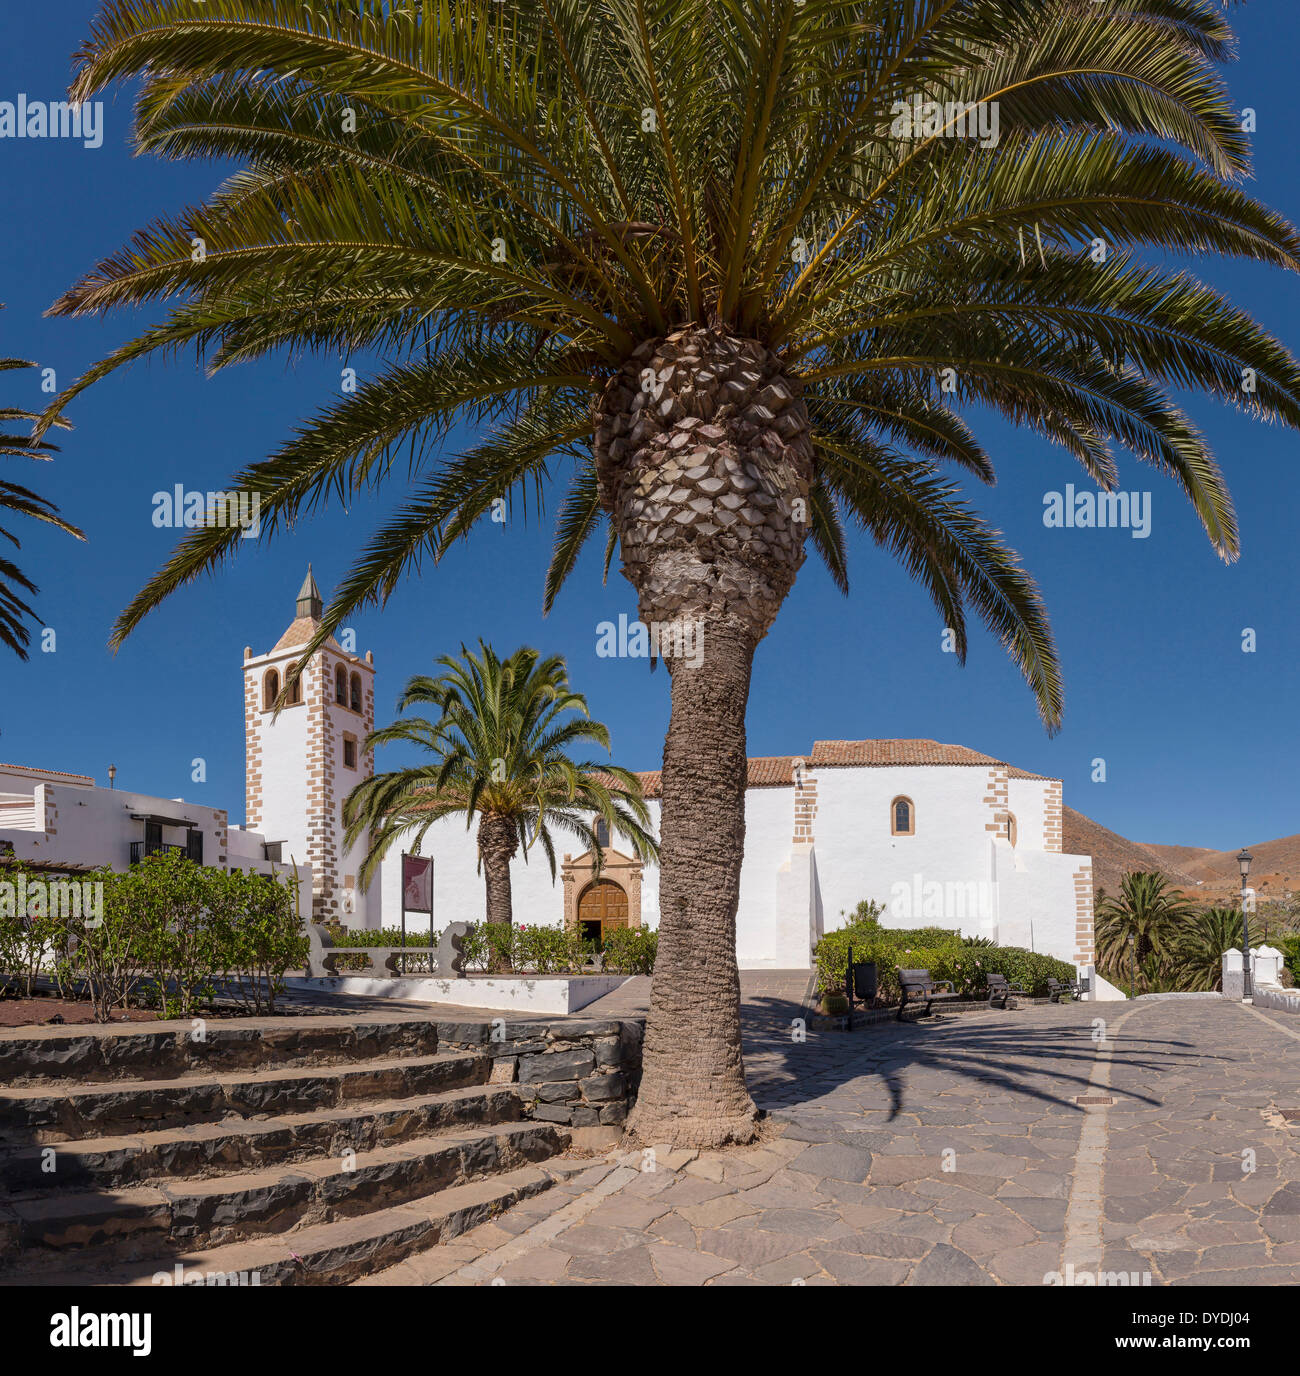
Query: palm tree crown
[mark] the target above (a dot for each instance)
(507, 200)
(734, 271)
(19, 500)
(498, 749)
(1147, 909)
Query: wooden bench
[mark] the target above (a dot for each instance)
(919, 984)
(1059, 990)
(999, 989)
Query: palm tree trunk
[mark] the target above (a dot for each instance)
(704, 458)
(693, 1083)
(497, 843)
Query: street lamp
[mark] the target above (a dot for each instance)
(1132, 963)
(1244, 857)
(112, 774)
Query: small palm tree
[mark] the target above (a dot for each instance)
(19, 500)
(1199, 946)
(1148, 910)
(498, 750)
(720, 267)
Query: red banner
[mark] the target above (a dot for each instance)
(417, 884)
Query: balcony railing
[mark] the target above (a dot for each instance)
(139, 849)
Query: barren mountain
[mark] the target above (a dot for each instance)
(1113, 855)
(1208, 876)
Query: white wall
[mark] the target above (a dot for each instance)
(858, 857)
(84, 825)
(1022, 896)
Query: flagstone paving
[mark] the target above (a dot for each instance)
(950, 1152)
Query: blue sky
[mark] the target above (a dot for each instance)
(1200, 740)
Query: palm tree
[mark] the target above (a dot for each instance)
(1150, 912)
(1199, 947)
(699, 258)
(498, 751)
(21, 501)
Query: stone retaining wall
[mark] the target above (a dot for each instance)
(576, 1072)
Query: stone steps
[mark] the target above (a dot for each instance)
(333, 1253)
(239, 1144)
(37, 1114)
(147, 1220)
(165, 1050)
(302, 1150)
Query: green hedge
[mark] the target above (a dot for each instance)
(942, 952)
(542, 950)
(631, 950)
(166, 932)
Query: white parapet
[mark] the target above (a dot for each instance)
(1100, 990)
(513, 994)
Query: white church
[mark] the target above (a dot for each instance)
(940, 834)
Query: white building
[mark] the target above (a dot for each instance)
(941, 835)
(54, 819)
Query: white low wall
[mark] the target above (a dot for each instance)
(519, 994)
(1274, 996)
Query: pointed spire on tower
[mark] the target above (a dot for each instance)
(310, 603)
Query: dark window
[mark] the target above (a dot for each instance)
(270, 689)
(349, 754)
(271, 850)
(194, 846)
(602, 833)
(356, 692)
(903, 822)
(340, 686)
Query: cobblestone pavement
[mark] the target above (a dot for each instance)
(950, 1152)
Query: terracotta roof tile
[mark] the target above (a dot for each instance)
(300, 631)
(34, 769)
(776, 771)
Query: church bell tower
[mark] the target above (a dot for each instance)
(302, 763)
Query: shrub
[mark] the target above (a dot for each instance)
(171, 900)
(260, 936)
(631, 950)
(937, 949)
(177, 930)
(27, 937)
(548, 950)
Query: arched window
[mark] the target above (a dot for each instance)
(340, 686)
(356, 692)
(902, 817)
(270, 689)
(1009, 818)
(602, 833)
(295, 694)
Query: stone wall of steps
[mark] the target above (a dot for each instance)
(302, 1151)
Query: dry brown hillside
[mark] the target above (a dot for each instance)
(1113, 855)
(1274, 870)
(1208, 876)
